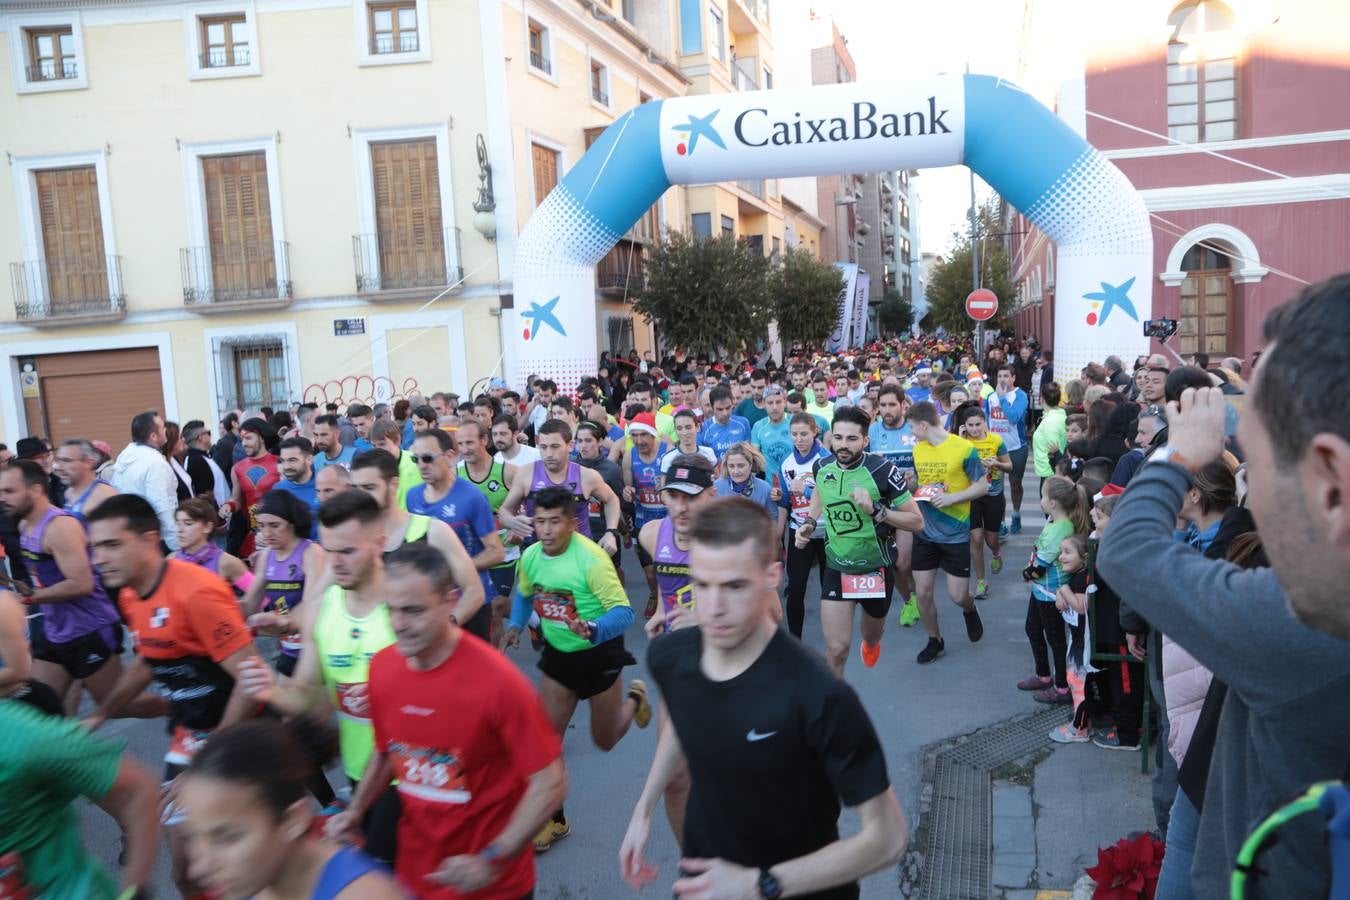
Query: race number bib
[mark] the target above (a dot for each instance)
(353, 701)
(865, 586)
(927, 492)
(649, 496)
(429, 774)
(799, 501)
(594, 507)
(557, 607)
(184, 745)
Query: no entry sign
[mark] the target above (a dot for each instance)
(981, 305)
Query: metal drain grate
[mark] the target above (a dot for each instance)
(954, 831)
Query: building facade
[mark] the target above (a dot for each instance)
(238, 203)
(1231, 122)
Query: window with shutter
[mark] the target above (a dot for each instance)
(239, 227)
(72, 236)
(545, 171)
(410, 237)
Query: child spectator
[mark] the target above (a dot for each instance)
(1121, 680)
(1072, 602)
(1066, 506)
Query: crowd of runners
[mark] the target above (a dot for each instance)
(310, 584)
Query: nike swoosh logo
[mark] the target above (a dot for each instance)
(753, 735)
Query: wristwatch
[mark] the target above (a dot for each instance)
(769, 888)
(1170, 454)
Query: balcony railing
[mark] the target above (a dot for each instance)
(540, 62)
(68, 287)
(236, 273)
(599, 96)
(222, 58)
(623, 268)
(51, 70)
(388, 43)
(388, 261)
(754, 186)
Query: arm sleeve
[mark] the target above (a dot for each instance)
(613, 623)
(522, 599)
(1235, 622)
(216, 619)
(845, 741)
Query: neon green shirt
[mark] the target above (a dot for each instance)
(579, 583)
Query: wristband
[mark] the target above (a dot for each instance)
(243, 582)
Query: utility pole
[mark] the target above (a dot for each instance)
(975, 267)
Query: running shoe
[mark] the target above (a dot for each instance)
(1067, 734)
(974, 627)
(870, 653)
(1017, 524)
(936, 647)
(1109, 739)
(651, 607)
(909, 613)
(1053, 696)
(637, 689)
(550, 834)
(1002, 529)
(996, 564)
(981, 589)
(1034, 683)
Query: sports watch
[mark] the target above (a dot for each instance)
(1170, 454)
(769, 888)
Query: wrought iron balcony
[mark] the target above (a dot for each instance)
(68, 289)
(250, 273)
(392, 261)
(221, 58)
(540, 62)
(51, 70)
(599, 96)
(388, 43)
(623, 269)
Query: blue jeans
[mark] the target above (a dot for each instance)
(1174, 881)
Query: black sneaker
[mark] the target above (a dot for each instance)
(974, 627)
(935, 648)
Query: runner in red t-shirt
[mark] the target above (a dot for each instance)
(478, 764)
(254, 476)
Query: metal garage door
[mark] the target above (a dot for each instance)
(94, 395)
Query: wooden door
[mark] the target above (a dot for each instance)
(545, 171)
(410, 236)
(239, 226)
(72, 237)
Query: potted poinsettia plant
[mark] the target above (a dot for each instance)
(1128, 870)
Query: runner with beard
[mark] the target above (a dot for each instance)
(891, 438)
(590, 455)
(864, 500)
(253, 476)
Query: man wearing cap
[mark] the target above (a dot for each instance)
(142, 469)
(254, 475)
(642, 488)
(39, 451)
(922, 388)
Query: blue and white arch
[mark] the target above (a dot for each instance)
(1059, 182)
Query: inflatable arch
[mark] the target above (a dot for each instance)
(1034, 160)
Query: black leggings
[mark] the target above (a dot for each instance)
(799, 563)
(1046, 626)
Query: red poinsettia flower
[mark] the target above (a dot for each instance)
(1128, 870)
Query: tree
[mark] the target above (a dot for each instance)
(950, 281)
(896, 314)
(707, 294)
(806, 298)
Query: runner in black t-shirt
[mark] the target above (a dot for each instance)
(770, 735)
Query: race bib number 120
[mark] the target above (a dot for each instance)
(866, 586)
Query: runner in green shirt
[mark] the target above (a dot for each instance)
(45, 763)
(863, 500)
(572, 586)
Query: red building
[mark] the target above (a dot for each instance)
(1233, 122)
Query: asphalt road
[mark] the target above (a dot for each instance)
(911, 706)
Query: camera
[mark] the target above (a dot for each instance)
(1162, 329)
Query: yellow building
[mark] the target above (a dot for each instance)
(222, 203)
(239, 202)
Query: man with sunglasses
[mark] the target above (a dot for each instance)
(443, 496)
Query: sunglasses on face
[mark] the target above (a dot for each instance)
(427, 458)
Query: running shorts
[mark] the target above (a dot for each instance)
(954, 559)
(987, 512)
(84, 655)
(876, 607)
(586, 672)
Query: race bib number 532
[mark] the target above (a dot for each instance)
(556, 606)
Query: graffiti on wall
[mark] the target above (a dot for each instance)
(365, 389)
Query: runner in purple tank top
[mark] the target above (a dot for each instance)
(76, 631)
(287, 561)
(555, 468)
(688, 486)
(195, 522)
